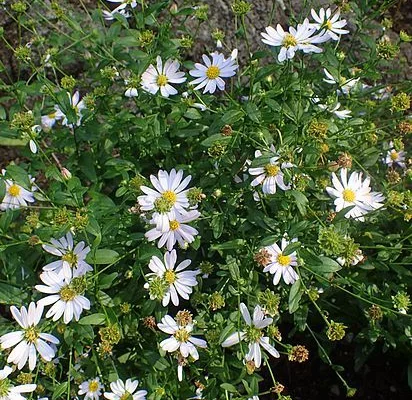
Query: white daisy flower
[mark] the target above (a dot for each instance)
(72, 261)
(180, 282)
(302, 38)
(209, 76)
(394, 157)
(341, 114)
(354, 192)
(30, 340)
(16, 196)
(125, 390)
(170, 195)
(281, 265)
(125, 3)
(178, 231)
(254, 335)
(331, 25)
(181, 338)
(64, 296)
(10, 392)
(270, 176)
(355, 260)
(345, 85)
(110, 15)
(77, 105)
(92, 389)
(160, 77)
(48, 121)
(131, 92)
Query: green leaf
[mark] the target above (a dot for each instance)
(253, 112)
(228, 387)
(328, 266)
(295, 294)
(300, 199)
(60, 390)
(94, 319)
(232, 116)
(217, 224)
(230, 245)
(10, 294)
(103, 256)
(290, 248)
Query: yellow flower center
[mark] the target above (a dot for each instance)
(14, 190)
(182, 335)
(161, 80)
(70, 257)
(31, 334)
(174, 225)
(284, 261)
(126, 396)
(349, 195)
(93, 386)
(271, 170)
(51, 115)
(289, 41)
(67, 293)
(170, 196)
(213, 72)
(170, 276)
(394, 155)
(328, 25)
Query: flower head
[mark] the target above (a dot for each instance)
(302, 38)
(181, 340)
(65, 295)
(125, 391)
(330, 24)
(92, 389)
(77, 106)
(253, 334)
(209, 76)
(72, 262)
(30, 340)
(354, 192)
(281, 265)
(10, 392)
(178, 231)
(270, 176)
(16, 196)
(161, 76)
(179, 282)
(169, 197)
(394, 157)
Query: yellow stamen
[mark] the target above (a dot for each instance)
(289, 41)
(170, 196)
(31, 334)
(161, 80)
(67, 293)
(14, 190)
(170, 276)
(328, 25)
(349, 195)
(93, 386)
(174, 225)
(182, 335)
(394, 155)
(213, 72)
(271, 170)
(284, 261)
(70, 257)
